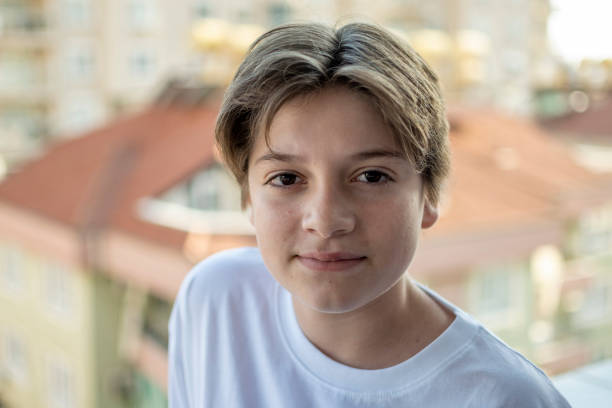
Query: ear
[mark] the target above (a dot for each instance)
(430, 214)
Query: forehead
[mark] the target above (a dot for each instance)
(330, 117)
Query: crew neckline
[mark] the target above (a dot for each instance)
(402, 376)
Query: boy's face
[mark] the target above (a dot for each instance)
(336, 208)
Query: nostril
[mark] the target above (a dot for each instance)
(328, 225)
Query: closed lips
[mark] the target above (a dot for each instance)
(332, 256)
(330, 262)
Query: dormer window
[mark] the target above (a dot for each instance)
(208, 202)
(212, 189)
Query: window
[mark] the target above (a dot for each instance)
(78, 112)
(142, 64)
(19, 70)
(497, 294)
(207, 8)
(22, 127)
(278, 13)
(494, 290)
(142, 14)
(18, 16)
(77, 13)
(60, 384)
(244, 16)
(207, 188)
(596, 307)
(59, 290)
(201, 11)
(156, 317)
(595, 230)
(11, 273)
(211, 189)
(80, 63)
(209, 202)
(14, 360)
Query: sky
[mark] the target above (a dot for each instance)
(581, 29)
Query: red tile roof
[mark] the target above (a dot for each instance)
(505, 171)
(98, 178)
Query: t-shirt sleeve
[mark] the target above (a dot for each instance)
(529, 388)
(194, 321)
(534, 396)
(536, 393)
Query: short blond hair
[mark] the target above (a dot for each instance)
(299, 59)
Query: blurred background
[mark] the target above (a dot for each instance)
(111, 189)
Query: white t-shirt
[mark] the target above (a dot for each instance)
(235, 342)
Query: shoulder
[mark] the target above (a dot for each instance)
(228, 260)
(232, 273)
(511, 379)
(225, 269)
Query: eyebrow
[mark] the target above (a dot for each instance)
(376, 153)
(365, 155)
(275, 156)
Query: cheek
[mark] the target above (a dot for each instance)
(396, 213)
(274, 219)
(395, 229)
(276, 232)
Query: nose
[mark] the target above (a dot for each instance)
(327, 212)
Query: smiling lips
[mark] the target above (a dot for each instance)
(331, 261)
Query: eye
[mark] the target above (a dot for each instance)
(284, 180)
(373, 177)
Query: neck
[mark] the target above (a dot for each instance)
(383, 333)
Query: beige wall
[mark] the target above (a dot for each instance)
(51, 335)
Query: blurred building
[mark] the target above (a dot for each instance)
(67, 66)
(96, 236)
(571, 90)
(493, 52)
(587, 129)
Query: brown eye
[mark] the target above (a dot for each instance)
(373, 177)
(284, 180)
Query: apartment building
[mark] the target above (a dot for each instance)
(67, 66)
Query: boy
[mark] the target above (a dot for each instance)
(339, 141)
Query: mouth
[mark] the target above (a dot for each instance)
(330, 261)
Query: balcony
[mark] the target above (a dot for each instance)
(22, 28)
(35, 95)
(23, 84)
